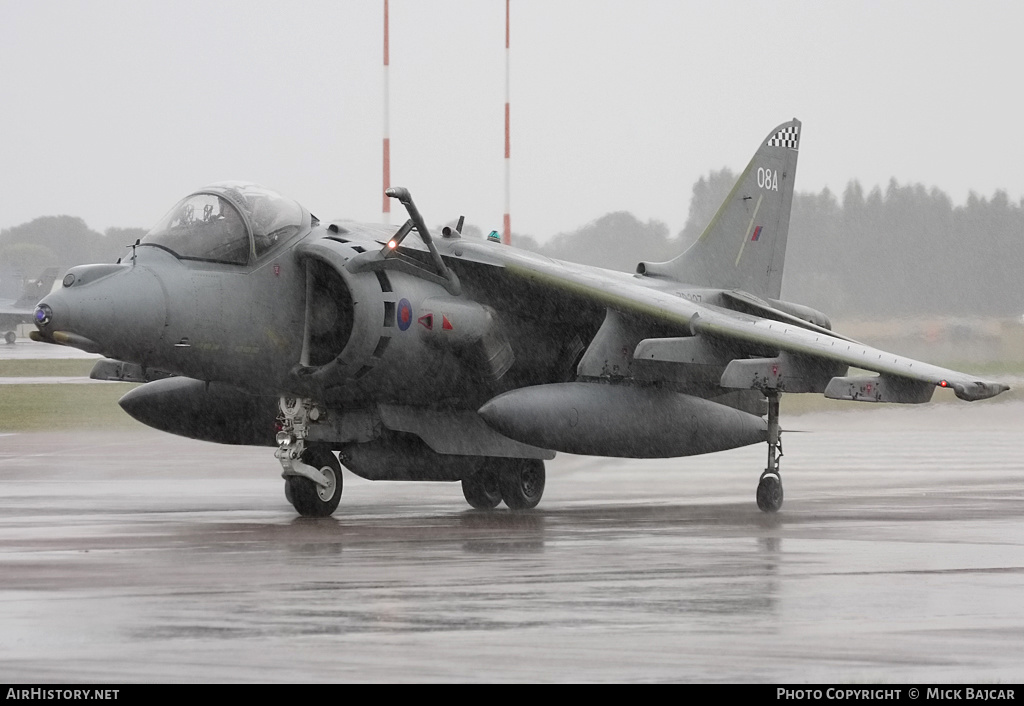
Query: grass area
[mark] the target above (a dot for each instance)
(994, 368)
(94, 406)
(1005, 371)
(63, 407)
(808, 403)
(61, 367)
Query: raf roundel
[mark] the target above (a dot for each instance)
(404, 315)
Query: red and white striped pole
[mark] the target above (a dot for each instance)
(387, 137)
(506, 236)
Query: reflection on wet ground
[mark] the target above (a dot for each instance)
(898, 556)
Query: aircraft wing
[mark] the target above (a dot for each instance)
(815, 357)
(10, 317)
(806, 344)
(10, 308)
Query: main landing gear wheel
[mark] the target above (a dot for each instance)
(10, 337)
(481, 489)
(769, 493)
(522, 483)
(769, 488)
(309, 498)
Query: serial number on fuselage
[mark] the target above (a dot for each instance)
(690, 295)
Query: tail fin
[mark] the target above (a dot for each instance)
(36, 289)
(744, 246)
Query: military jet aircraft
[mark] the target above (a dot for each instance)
(22, 310)
(454, 359)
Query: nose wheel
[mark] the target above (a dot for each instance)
(769, 488)
(312, 474)
(311, 499)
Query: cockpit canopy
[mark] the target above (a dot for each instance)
(230, 222)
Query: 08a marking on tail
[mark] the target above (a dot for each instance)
(768, 179)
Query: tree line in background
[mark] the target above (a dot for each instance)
(905, 251)
(56, 241)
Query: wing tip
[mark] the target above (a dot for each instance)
(977, 390)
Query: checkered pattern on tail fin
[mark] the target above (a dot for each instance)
(744, 245)
(786, 137)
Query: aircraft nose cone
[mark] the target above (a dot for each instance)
(52, 314)
(43, 316)
(117, 310)
(56, 327)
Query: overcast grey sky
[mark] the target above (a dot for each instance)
(113, 110)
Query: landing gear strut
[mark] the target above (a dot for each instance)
(769, 489)
(311, 499)
(312, 473)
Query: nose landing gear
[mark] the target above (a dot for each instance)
(312, 473)
(310, 498)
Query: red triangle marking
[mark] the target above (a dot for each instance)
(445, 323)
(427, 320)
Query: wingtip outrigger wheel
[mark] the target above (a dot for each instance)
(769, 488)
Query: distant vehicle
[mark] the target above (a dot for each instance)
(22, 310)
(465, 360)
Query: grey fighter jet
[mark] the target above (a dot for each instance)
(22, 310)
(410, 357)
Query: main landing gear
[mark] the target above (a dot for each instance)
(769, 488)
(517, 481)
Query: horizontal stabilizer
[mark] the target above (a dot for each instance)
(802, 316)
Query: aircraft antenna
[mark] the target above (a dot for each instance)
(506, 237)
(387, 137)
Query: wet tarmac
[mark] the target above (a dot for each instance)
(52, 380)
(24, 349)
(898, 557)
